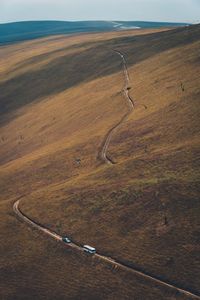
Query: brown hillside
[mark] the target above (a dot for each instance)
(59, 98)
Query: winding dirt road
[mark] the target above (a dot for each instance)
(130, 103)
(115, 263)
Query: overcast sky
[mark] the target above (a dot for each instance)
(150, 10)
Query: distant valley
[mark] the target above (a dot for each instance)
(21, 31)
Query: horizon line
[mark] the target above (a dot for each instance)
(99, 20)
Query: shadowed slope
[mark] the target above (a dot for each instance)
(52, 78)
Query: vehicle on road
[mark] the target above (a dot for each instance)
(66, 240)
(89, 249)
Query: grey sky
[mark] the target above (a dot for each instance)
(150, 10)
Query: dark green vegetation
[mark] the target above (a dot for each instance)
(60, 96)
(27, 30)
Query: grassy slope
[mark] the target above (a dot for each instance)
(35, 267)
(156, 153)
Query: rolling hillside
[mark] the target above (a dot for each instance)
(60, 96)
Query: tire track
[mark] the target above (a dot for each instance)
(131, 104)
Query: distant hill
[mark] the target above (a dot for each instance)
(21, 31)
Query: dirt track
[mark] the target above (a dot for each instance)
(130, 102)
(115, 263)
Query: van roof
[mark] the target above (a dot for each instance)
(89, 247)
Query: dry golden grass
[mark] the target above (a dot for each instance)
(60, 96)
(35, 267)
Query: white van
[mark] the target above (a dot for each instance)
(89, 249)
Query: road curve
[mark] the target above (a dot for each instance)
(130, 102)
(113, 262)
(40, 227)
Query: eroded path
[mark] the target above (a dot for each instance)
(130, 103)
